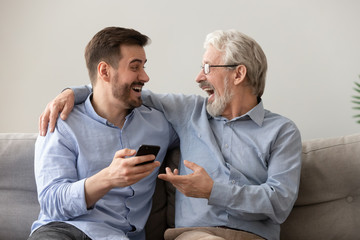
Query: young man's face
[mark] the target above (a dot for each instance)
(215, 83)
(130, 76)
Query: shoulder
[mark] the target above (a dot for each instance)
(275, 118)
(149, 112)
(280, 123)
(74, 119)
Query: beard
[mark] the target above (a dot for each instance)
(217, 107)
(122, 93)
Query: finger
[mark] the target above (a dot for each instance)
(149, 167)
(166, 176)
(125, 152)
(143, 159)
(134, 178)
(171, 177)
(39, 126)
(66, 111)
(168, 171)
(191, 165)
(44, 120)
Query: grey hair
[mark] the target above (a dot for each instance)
(239, 48)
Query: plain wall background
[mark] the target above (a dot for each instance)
(313, 51)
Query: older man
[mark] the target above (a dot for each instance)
(239, 173)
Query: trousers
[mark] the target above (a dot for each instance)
(58, 231)
(209, 233)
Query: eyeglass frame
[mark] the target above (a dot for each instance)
(206, 67)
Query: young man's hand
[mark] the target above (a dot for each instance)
(122, 172)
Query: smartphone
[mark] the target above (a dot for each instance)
(146, 150)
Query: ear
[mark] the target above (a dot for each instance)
(103, 71)
(240, 74)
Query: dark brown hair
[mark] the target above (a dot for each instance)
(105, 46)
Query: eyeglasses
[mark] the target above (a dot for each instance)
(206, 67)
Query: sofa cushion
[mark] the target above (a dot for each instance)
(328, 205)
(18, 199)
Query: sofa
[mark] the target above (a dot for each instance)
(328, 205)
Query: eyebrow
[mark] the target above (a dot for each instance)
(138, 60)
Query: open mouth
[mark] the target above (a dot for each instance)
(209, 90)
(137, 89)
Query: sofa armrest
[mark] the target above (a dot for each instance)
(328, 205)
(19, 206)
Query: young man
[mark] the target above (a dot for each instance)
(89, 183)
(240, 169)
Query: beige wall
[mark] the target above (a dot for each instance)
(313, 49)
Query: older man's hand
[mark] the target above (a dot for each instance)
(197, 184)
(64, 103)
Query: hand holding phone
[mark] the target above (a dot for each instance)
(147, 150)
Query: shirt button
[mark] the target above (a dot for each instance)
(226, 146)
(233, 181)
(349, 199)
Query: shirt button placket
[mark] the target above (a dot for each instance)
(227, 140)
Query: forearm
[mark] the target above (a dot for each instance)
(96, 187)
(81, 93)
(252, 203)
(177, 108)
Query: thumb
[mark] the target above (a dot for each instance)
(126, 152)
(191, 165)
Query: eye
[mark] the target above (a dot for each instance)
(135, 68)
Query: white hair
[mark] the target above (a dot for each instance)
(239, 48)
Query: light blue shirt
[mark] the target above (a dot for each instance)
(254, 160)
(83, 145)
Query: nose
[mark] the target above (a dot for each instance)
(143, 76)
(200, 77)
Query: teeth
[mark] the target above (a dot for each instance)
(137, 89)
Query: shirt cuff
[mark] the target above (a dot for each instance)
(220, 194)
(78, 198)
(81, 93)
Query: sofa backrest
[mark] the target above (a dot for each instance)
(328, 205)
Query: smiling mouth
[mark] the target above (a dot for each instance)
(137, 89)
(208, 90)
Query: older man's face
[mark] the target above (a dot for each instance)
(215, 83)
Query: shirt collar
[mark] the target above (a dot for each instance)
(256, 114)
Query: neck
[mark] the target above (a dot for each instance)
(104, 105)
(240, 104)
